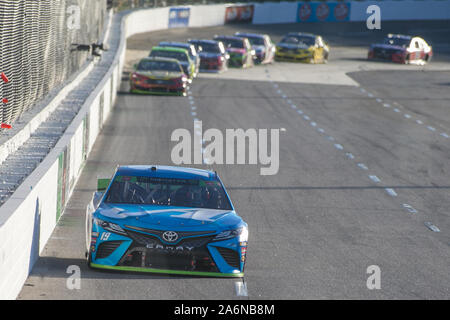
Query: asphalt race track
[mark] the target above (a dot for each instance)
(363, 175)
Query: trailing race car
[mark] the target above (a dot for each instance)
(213, 57)
(163, 219)
(239, 49)
(401, 49)
(158, 76)
(189, 47)
(302, 47)
(263, 46)
(182, 55)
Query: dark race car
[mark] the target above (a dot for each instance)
(401, 49)
(213, 57)
(239, 49)
(158, 76)
(263, 46)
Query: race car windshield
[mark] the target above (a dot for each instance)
(232, 43)
(159, 66)
(208, 47)
(256, 41)
(401, 42)
(180, 56)
(193, 193)
(309, 41)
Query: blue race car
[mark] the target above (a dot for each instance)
(163, 219)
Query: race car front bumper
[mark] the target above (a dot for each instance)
(158, 87)
(197, 253)
(302, 56)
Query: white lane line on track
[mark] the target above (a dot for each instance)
(338, 146)
(330, 138)
(396, 110)
(313, 124)
(431, 128)
(432, 227)
(419, 122)
(299, 111)
(370, 95)
(445, 135)
(391, 192)
(193, 108)
(378, 100)
(374, 178)
(193, 114)
(350, 155)
(293, 106)
(241, 288)
(407, 116)
(362, 166)
(320, 130)
(409, 208)
(386, 105)
(306, 117)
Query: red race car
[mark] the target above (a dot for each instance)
(158, 76)
(401, 49)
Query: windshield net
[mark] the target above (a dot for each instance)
(168, 192)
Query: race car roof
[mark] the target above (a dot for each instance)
(157, 48)
(202, 41)
(302, 34)
(166, 172)
(255, 35)
(228, 37)
(159, 59)
(176, 44)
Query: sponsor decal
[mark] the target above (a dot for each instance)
(341, 11)
(239, 14)
(169, 248)
(318, 12)
(179, 17)
(304, 12)
(322, 11)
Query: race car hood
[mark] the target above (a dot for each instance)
(209, 55)
(236, 50)
(166, 217)
(292, 46)
(160, 74)
(259, 48)
(388, 46)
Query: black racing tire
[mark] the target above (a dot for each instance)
(427, 58)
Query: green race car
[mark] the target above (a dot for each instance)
(180, 54)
